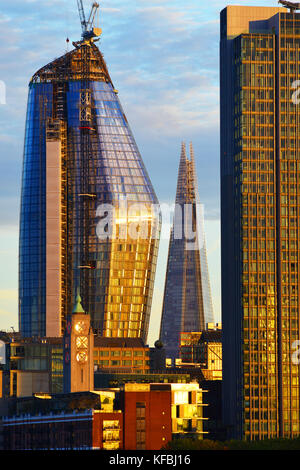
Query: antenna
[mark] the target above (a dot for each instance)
(89, 31)
(291, 5)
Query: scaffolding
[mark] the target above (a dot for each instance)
(100, 163)
(85, 194)
(84, 64)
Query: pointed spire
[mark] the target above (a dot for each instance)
(183, 157)
(182, 176)
(187, 189)
(78, 307)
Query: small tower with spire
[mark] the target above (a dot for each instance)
(78, 351)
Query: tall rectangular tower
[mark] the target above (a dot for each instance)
(260, 207)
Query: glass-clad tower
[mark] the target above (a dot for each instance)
(260, 210)
(187, 303)
(82, 174)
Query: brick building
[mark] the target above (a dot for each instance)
(154, 414)
(147, 416)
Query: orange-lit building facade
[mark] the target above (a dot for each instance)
(119, 355)
(154, 414)
(260, 199)
(147, 416)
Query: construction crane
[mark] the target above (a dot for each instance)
(89, 31)
(291, 5)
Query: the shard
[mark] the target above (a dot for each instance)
(187, 303)
(81, 159)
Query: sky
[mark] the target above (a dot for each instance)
(163, 58)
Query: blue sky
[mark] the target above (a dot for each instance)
(163, 57)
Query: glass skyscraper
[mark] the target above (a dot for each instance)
(187, 303)
(81, 159)
(260, 209)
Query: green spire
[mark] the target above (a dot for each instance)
(78, 307)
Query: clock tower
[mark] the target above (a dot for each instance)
(78, 351)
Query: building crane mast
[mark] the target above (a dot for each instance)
(89, 31)
(81, 15)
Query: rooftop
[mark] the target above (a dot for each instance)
(100, 342)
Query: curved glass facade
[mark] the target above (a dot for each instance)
(32, 252)
(187, 303)
(101, 167)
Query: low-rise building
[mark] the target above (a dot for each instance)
(187, 414)
(104, 379)
(126, 355)
(154, 414)
(203, 350)
(89, 429)
(63, 422)
(35, 365)
(133, 417)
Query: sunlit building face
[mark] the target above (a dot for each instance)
(260, 196)
(80, 157)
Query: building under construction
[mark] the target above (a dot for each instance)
(79, 156)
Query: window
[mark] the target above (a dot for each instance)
(115, 353)
(127, 363)
(115, 363)
(126, 353)
(140, 425)
(138, 353)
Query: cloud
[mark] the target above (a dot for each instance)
(163, 56)
(168, 81)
